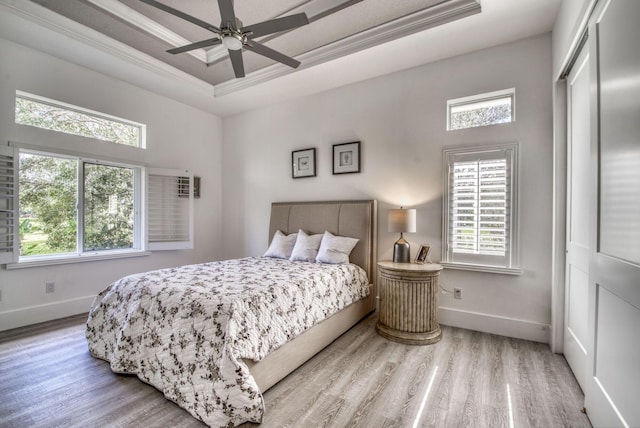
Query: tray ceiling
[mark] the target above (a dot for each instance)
(337, 28)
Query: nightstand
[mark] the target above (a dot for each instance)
(408, 306)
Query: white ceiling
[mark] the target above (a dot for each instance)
(402, 45)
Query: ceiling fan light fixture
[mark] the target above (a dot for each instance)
(235, 37)
(232, 41)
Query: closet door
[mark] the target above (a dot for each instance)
(612, 396)
(576, 334)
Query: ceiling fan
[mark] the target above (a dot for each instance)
(234, 37)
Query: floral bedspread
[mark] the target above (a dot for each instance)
(185, 330)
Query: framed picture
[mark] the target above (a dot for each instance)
(346, 158)
(423, 254)
(303, 163)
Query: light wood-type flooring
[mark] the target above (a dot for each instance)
(468, 379)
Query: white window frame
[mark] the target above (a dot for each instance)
(142, 247)
(509, 263)
(487, 97)
(142, 135)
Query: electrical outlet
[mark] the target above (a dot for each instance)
(49, 287)
(457, 293)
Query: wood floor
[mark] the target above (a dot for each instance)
(469, 379)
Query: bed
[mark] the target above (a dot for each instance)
(198, 345)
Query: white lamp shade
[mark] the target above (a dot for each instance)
(402, 220)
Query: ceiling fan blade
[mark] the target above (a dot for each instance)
(276, 25)
(196, 45)
(182, 15)
(270, 53)
(236, 61)
(227, 14)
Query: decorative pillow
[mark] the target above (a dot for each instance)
(306, 248)
(335, 249)
(281, 245)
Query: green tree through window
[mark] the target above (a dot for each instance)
(48, 198)
(50, 223)
(108, 207)
(46, 114)
(76, 206)
(481, 110)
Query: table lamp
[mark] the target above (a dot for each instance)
(403, 221)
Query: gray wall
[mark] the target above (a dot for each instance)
(400, 120)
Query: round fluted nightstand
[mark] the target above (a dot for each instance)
(408, 307)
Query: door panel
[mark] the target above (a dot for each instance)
(617, 357)
(614, 288)
(578, 219)
(619, 87)
(578, 305)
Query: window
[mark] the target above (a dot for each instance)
(481, 110)
(69, 208)
(480, 209)
(54, 115)
(58, 206)
(71, 205)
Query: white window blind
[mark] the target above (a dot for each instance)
(480, 198)
(8, 208)
(170, 209)
(479, 207)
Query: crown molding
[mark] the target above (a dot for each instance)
(314, 10)
(150, 26)
(45, 18)
(434, 16)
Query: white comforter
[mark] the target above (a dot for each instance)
(185, 330)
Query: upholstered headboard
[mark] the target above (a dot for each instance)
(355, 219)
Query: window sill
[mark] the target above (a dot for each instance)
(482, 268)
(76, 258)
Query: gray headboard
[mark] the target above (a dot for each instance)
(356, 219)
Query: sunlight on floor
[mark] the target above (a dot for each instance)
(511, 424)
(424, 398)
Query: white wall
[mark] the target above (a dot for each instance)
(400, 120)
(178, 136)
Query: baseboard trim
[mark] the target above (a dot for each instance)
(47, 312)
(503, 326)
(486, 323)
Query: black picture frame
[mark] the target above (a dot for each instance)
(346, 158)
(422, 256)
(303, 163)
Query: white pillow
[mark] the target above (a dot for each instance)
(306, 248)
(281, 245)
(335, 249)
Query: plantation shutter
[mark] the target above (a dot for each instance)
(169, 209)
(479, 211)
(8, 206)
(479, 205)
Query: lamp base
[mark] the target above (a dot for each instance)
(401, 251)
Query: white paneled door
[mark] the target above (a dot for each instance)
(613, 393)
(576, 335)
